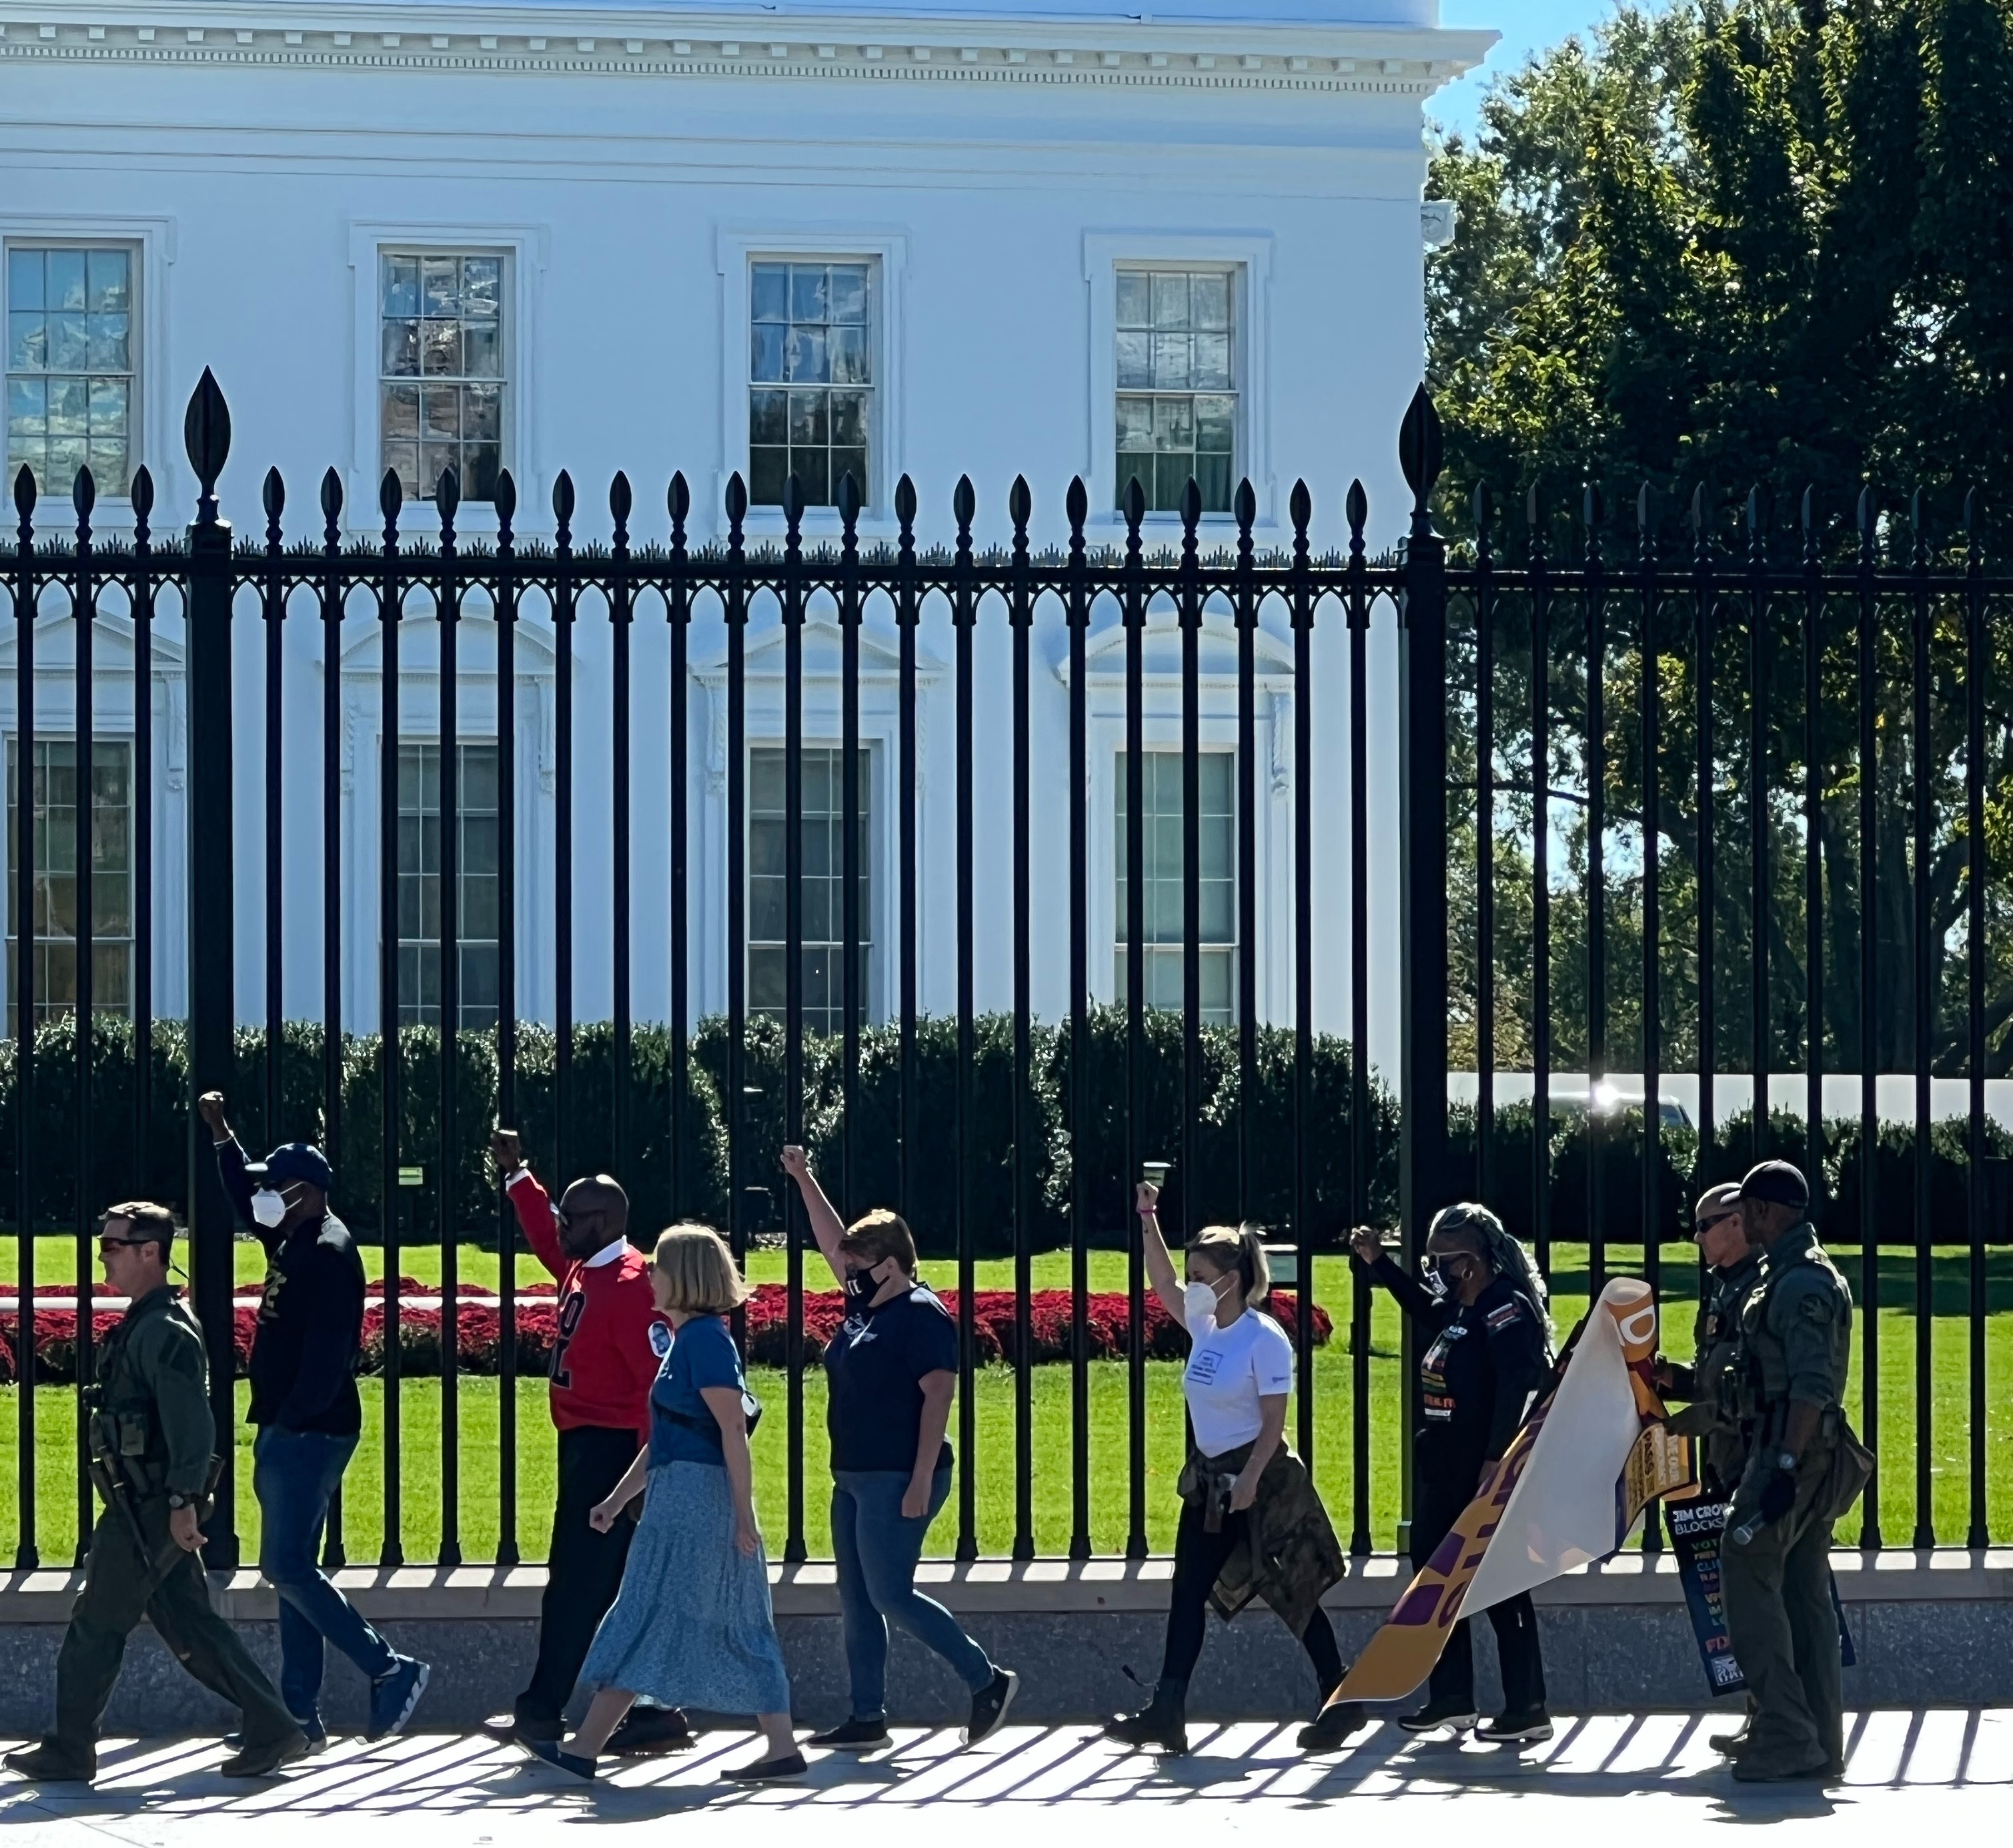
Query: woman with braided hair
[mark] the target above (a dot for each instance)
(1482, 1304)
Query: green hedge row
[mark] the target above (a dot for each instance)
(119, 1165)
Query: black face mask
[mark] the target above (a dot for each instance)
(860, 1287)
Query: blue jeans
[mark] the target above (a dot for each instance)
(295, 1473)
(877, 1548)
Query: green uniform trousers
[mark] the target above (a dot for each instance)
(116, 1593)
(1784, 1631)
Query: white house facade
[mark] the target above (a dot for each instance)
(807, 239)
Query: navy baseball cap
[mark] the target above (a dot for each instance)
(293, 1161)
(1782, 1181)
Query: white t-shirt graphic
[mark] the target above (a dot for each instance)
(1229, 1372)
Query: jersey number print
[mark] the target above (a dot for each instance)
(570, 1312)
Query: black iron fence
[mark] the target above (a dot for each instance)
(1704, 810)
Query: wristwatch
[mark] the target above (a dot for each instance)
(1785, 1459)
(177, 1499)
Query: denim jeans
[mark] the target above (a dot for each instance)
(295, 1473)
(877, 1548)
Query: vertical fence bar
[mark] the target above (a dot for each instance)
(621, 612)
(143, 833)
(26, 1554)
(1135, 1023)
(506, 1011)
(207, 437)
(736, 612)
(1651, 692)
(1484, 852)
(1357, 510)
(853, 1000)
(1079, 614)
(1759, 907)
(964, 502)
(272, 615)
(793, 993)
(1541, 886)
(1190, 618)
(83, 612)
(389, 591)
(1869, 1018)
(1247, 618)
(1704, 610)
(1977, 660)
(332, 1552)
(1922, 743)
(905, 614)
(447, 495)
(564, 593)
(1591, 513)
(678, 610)
(1813, 1011)
(1020, 504)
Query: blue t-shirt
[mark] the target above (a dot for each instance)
(875, 1365)
(702, 1355)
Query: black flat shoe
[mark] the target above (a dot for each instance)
(854, 1735)
(1330, 1728)
(547, 1752)
(767, 1770)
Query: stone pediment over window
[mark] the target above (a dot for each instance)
(1160, 654)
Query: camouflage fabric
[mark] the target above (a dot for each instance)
(1290, 1556)
(1711, 1383)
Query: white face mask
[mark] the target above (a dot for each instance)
(1199, 1300)
(268, 1207)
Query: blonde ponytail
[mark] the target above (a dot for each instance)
(1238, 1248)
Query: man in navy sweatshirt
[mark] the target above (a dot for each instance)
(304, 1402)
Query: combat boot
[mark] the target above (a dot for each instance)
(1161, 1725)
(48, 1763)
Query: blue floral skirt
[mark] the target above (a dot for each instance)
(692, 1625)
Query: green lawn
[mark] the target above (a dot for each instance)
(478, 1406)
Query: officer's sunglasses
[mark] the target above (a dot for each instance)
(1718, 1219)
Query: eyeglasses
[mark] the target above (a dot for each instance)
(107, 1246)
(1718, 1219)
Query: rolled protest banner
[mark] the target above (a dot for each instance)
(1569, 1488)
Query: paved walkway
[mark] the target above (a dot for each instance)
(1945, 1776)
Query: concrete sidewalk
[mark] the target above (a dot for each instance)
(1945, 1776)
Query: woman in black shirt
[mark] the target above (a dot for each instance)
(1490, 1355)
(890, 1373)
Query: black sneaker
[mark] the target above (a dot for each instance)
(989, 1706)
(854, 1735)
(1436, 1715)
(647, 1730)
(1531, 1728)
(508, 1729)
(315, 1733)
(265, 1761)
(1330, 1728)
(43, 1764)
(767, 1770)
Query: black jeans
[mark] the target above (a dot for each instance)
(1514, 1621)
(1199, 1557)
(585, 1569)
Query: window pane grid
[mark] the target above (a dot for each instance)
(479, 952)
(442, 374)
(70, 345)
(1163, 859)
(810, 371)
(1177, 407)
(54, 901)
(823, 951)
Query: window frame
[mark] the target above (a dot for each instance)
(1247, 258)
(1230, 947)
(523, 251)
(885, 251)
(399, 876)
(153, 241)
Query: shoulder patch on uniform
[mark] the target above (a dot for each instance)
(660, 1340)
(1504, 1313)
(1816, 1307)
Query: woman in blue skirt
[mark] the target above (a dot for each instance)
(692, 1626)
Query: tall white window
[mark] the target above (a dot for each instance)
(811, 371)
(1162, 909)
(823, 924)
(56, 794)
(1176, 386)
(72, 350)
(443, 370)
(478, 924)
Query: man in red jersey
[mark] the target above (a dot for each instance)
(610, 1340)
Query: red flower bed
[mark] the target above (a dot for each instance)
(479, 1330)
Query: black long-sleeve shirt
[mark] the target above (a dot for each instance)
(303, 1366)
(1484, 1360)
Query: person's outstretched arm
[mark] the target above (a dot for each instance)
(826, 1227)
(531, 1202)
(1160, 1271)
(230, 1160)
(1410, 1295)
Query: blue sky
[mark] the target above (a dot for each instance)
(1527, 26)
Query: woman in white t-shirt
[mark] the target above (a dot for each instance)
(1251, 1524)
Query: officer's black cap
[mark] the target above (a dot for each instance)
(1782, 1182)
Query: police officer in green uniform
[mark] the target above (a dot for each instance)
(1711, 1383)
(1796, 1335)
(152, 1436)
